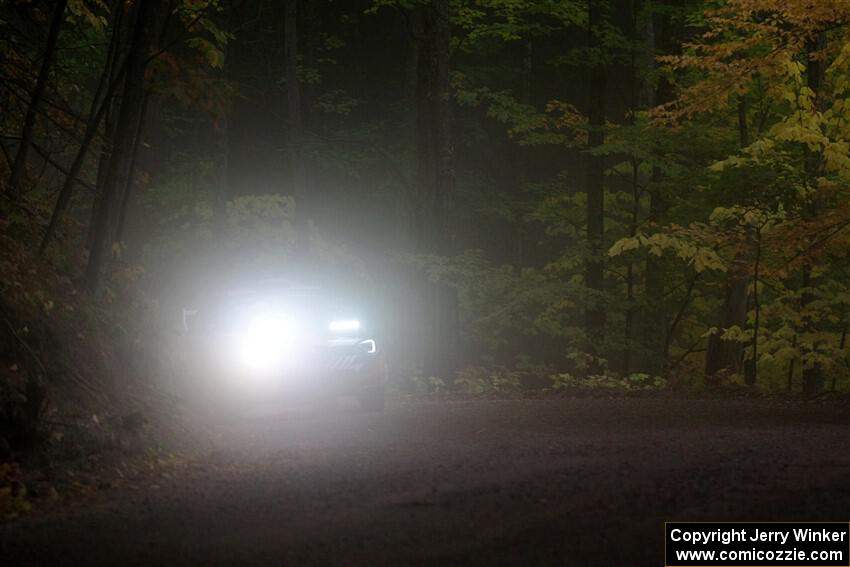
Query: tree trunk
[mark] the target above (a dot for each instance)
(106, 149)
(100, 104)
(105, 217)
(127, 192)
(842, 343)
(311, 34)
(425, 170)
(655, 314)
(628, 327)
(111, 107)
(434, 182)
(791, 365)
(445, 176)
(634, 103)
(295, 127)
(726, 357)
(222, 127)
(239, 20)
(813, 374)
(443, 146)
(659, 34)
(20, 163)
(522, 169)
(595, 264)
(751, 367)
(417, 100)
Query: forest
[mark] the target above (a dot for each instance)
(552, 194)
(553, 273)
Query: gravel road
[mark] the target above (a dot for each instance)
(568, 482)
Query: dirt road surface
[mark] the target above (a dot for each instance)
(568, 482)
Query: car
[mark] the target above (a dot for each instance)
(273, 339)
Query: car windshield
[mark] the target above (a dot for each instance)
(225, 310)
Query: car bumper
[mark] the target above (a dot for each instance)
(338, 370)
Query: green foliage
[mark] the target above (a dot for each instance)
(199, 17)
(428, 385)
(482, 380)
(740, 174)
(514, 20)
(13, 494)
(746, 171)
(89, 12)
(631, 383)
(498, 303)
(685, 244)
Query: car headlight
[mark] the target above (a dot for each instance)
(344, 326)
(265, 340)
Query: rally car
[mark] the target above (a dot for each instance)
(273, 338)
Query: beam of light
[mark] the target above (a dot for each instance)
(265, 342)
(344, 326)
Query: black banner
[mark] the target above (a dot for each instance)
(757, 544)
